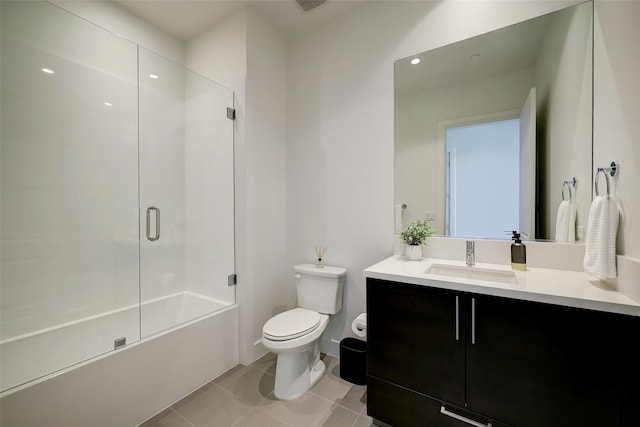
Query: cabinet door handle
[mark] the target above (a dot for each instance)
(457, 319)
(473, 320)
(444, 411)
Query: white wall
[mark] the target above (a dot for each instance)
(566, 48)
(616, 112)
(273, 284)
(221, 53)
(110, 16)
(247, 54)
(340, 120)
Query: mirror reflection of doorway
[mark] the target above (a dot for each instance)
(482, 172)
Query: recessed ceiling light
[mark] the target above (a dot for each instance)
(154, 76)
(108, 104)
(415, 61)
(47, 71)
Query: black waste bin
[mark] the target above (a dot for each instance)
(353, 361)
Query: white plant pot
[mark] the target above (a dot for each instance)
(414, 252)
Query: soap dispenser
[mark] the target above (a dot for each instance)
(518, 253)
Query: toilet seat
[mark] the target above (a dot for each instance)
(291, 324)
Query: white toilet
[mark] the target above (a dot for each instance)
(295, 334)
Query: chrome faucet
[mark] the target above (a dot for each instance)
(471, 253)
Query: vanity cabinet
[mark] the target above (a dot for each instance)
(498, 360)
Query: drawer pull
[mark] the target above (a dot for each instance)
(457, 319)
(444, 411)
(473, 320)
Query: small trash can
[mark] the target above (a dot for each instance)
(353, 361)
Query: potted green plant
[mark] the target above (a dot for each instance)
(414, 234)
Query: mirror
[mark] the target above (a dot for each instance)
(487, 131)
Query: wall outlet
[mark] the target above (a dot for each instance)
(430, 216)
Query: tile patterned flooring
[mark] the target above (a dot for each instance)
(243, 397)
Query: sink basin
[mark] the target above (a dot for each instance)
(473, 273)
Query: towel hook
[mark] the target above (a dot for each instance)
(606, 176)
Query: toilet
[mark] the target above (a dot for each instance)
(294, 335)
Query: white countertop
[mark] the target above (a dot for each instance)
(568, 288)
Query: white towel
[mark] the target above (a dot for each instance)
(566, 222)
(602, 228)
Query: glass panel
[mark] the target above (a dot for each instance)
(186, 177)
(69, 191)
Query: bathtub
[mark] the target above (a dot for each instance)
(122, 387)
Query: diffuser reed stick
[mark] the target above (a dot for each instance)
(320, 251)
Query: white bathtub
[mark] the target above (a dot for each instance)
(153, 372)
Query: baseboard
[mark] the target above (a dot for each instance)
(259, 350)
(330, 347)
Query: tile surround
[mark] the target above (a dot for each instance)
(243, 397)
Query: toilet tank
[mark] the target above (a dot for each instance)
(320, 289)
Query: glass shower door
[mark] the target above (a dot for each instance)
(116, 192)
(69, 191)
(186, 195)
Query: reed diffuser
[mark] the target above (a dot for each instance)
(320, 250)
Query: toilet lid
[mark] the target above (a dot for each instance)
(291, 324)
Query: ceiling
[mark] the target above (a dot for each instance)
(498, 52)
(185, 19)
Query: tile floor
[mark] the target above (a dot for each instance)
(243, 397)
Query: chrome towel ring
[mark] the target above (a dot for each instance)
(566, 185)
(610, 171)
(572, 183)
(606, 175)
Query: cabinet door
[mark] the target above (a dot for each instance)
(416, 338)
(542, 365)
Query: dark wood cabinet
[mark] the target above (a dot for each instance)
(543, 365)
(498, 360)
(399, 406)
(419, 339)
(629, 366)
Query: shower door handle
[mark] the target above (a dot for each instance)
(157, 235)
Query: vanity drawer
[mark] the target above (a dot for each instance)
(400, 407)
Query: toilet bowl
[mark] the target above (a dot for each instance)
(298, 366)
(294, 335)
